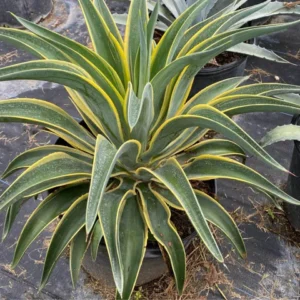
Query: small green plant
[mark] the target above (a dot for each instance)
(224, 16)
(119, 179)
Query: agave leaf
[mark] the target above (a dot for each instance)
(32, 43)
(257, 51)
(264, 89)
(89, 118)
(133, 107)
(63, 43)
(132, 237)
(43, 49)
(102, 168)
(240, 35)
(143, 63)
(46, 114)
(97, 236)
(108, 19)
(176, 7)
(218, 216)
(239, 104)
(289, 97)
(157, 215)
(10, 217)
(71, 223)
(213, 91)
(132, 40)
(78, 248)
(213, 213)
(207, 116)
(203, 13)
(182, 87)
(47, 211)
(121, 19)
(108, 214)
(240, 15)
(280, 134)
(271, 9)
(54, 170)
(29, 157)
(207, 30)
(173, 177)
(192, 31)
(140, 130)
(163, 78)
(163, 13)
(214, 147)
(164, 53)
(99, 31)
(152, 24)
(209, 167)
(97, 101)
(163, 194)
(106, 157)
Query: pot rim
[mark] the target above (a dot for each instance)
(226, 67)
(296, 121)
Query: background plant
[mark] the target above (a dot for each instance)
(119, 179)
(233, 16)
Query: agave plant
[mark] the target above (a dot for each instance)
(225, 15)
(280, 134)
(119, 179)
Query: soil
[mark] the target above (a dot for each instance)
(224, 59)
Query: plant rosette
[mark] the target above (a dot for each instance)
(120, 180)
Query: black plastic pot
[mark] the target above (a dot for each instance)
(208, 76)
(292, 211)
(32, 10)
(152, 268)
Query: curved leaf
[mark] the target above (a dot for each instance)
(234, 105)
(218, 216)
(71, 223)
(165, 50)
(157, 215)
(103, 165)
(257, 51)
(214, 147)
(65, 44)
(78, 248)
(214, 90)
(280, 134)
(97, 236)
(132, 237)
(43, 113)
(132, 39)
(98, 103)
(31, 43)
(264, 89)
(29, 157)
(209, 118)
(99, 31)
(10, 217)
(106, 157)
(108, 214)
(54, 170)
(47, 211)
(174, 178)
(108, 19)
(209, 167)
